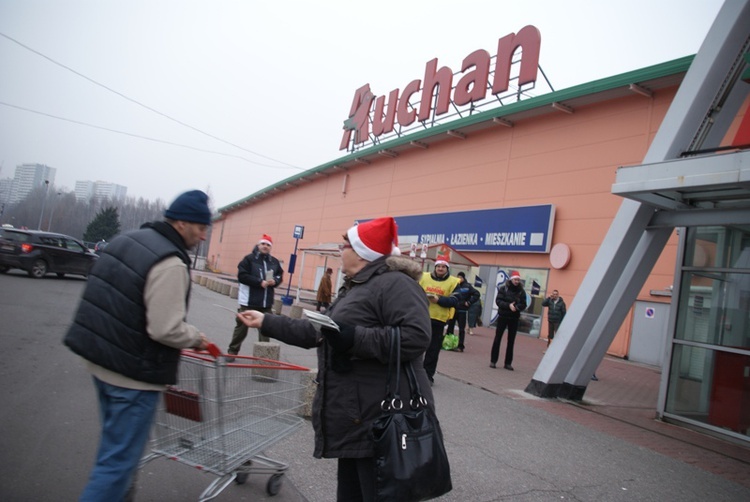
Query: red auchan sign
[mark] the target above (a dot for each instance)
(472, 87)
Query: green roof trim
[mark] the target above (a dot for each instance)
(668, 68)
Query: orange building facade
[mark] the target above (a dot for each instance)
(560, 149)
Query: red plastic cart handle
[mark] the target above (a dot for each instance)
(214, 349)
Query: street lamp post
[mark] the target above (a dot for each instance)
(44, 202)
(52, 211)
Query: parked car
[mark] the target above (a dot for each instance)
(99, 246)
(40, 253)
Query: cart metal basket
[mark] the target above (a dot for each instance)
(220, 416)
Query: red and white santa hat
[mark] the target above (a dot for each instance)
(514, 274)
(443, 256)
(375, 238)
(266, 239)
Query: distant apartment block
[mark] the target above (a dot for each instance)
(5, 186)
(27, 178)
(87, 190)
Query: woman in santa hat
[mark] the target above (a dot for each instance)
(380, 291)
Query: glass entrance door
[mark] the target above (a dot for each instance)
(709, 375)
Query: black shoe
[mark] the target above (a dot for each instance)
(458, 349)
(493, 365)
(508, 367)
(229, 357)
(594, 378)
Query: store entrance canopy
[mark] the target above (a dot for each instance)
(323, 249)
(327, 250)
(433, 251)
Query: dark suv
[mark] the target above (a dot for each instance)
(40, 253)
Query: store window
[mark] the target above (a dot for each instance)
(709, 378)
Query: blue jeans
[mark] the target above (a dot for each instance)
(126, 415)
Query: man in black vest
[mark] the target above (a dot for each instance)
(129, 329)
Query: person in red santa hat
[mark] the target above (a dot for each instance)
(510, 301)
(259, 273)
(380, 292)
(439, 286)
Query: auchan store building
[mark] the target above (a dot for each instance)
(461, 160)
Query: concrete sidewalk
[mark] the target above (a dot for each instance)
(622, 403)
(505, 444)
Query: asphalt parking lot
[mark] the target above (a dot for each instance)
(503, 444)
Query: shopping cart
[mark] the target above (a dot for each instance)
(220, 416)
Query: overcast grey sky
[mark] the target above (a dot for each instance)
(275, 79)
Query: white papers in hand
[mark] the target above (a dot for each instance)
(320, 320)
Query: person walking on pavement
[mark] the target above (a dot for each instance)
(555, 312)
(325, 290)
(467, 297)
(510, 301)
(259, 273)
(130, 327)
(439, 286)
(380, 291)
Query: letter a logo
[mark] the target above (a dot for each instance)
(358, 117)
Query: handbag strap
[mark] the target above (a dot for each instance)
(417, 400)
(392, 400)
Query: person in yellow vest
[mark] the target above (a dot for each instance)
(439, 286)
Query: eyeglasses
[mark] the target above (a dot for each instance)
(344, 246)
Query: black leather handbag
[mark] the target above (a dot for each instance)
(410, 459)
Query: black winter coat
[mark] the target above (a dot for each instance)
(251, 271)
(383, 294)
(507, 294)
(556, 310)
(468, 295)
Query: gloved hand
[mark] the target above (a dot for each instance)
(340, 341)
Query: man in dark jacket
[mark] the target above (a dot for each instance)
(130, 327)
(259, 274)
(467, 296)
(510, 301)
(555, 312)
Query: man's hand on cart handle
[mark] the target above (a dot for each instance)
(251, 318)
(207, 345)
(204, 343)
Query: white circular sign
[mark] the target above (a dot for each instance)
(559, 257)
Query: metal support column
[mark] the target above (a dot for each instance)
(632, 246)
